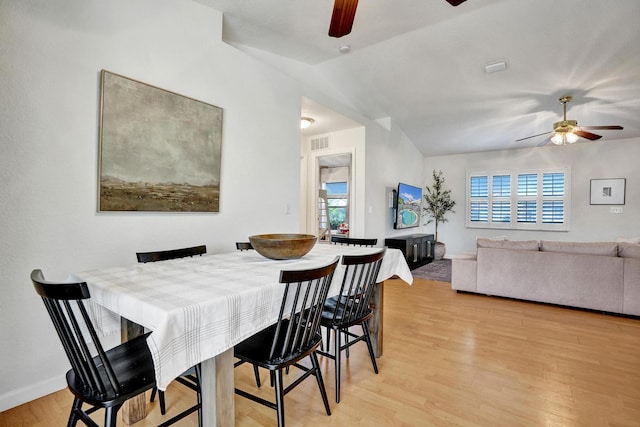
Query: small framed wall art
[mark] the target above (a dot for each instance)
(608, 191)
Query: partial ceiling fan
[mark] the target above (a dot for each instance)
(567, 131)
(344, 11)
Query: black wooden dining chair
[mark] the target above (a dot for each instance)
(171, 254)
(351, 307)
(244, 246)
(191, 377)
(99, 378)
(295, 336)
(352, 241)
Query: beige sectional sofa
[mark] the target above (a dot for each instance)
(602, 276)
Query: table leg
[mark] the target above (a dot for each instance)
(134, 409)
(218, 391)
(375, 323)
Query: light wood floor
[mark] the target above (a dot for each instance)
(449, 360)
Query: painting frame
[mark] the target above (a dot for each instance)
(159, 151)
(609, 191)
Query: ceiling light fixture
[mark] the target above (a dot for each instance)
(305, 122)
(344, 49)
(564, 138)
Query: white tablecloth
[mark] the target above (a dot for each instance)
(200, 307)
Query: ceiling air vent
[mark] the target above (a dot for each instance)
(321, 143)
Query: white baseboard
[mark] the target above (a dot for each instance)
(34, 391)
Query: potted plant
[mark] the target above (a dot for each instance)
(438, 204)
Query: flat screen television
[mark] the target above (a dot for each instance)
(408, 206)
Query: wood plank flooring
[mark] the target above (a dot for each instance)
(449, 360)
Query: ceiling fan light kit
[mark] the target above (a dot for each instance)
(563, 132)
(564, 138)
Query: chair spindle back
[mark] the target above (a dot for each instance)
(360, 277)
(64, 302)
(298, 326)
(353, 241)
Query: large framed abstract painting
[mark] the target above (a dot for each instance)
(159, 151)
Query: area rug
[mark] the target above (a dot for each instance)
(436, 270)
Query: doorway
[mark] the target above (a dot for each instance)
(334, 195)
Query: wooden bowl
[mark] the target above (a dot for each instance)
(283, 246)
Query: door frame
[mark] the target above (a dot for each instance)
(313, 185)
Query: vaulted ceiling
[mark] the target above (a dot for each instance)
(422, 63)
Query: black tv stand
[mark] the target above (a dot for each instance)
(417, 248)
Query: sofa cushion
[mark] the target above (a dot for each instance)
(492, 238)
(520, 245)
(629, 240)
(580, 248)
(628, 250)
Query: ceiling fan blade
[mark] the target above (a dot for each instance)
(455, 2)
(614, 127)
(587, 135)
(344, 12)
(532, 136)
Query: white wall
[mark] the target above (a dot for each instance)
(392, 159)
(51, 56)
(52, 53)
(588, 160)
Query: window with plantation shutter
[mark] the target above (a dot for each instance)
(479, 207)
(527, 211)
(479, 211)
(501, 198)
(553, 203)
(529, 200)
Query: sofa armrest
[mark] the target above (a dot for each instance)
(631, 303)
(464, 274)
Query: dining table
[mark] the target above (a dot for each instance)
(199, 307)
